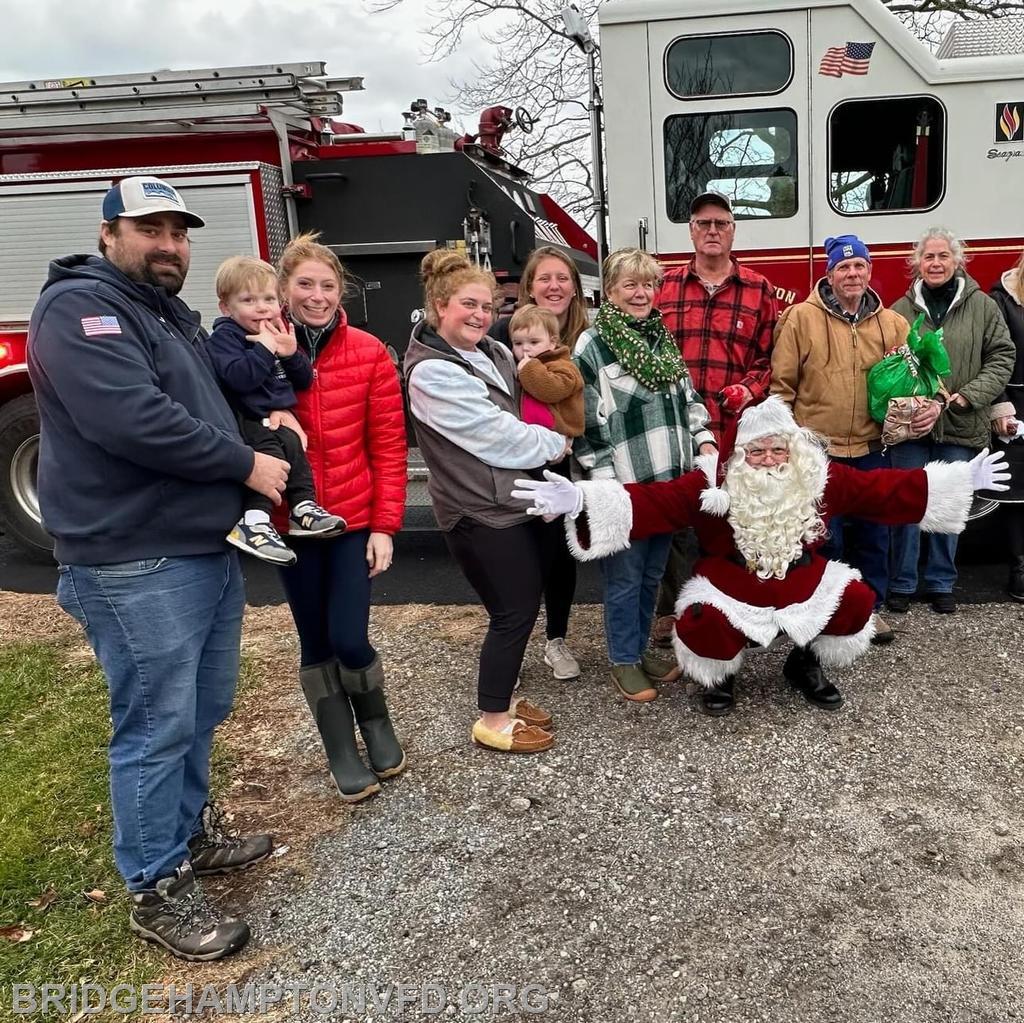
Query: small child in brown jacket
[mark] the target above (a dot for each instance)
(552, 385)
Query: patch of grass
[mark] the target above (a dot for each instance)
(55, 827)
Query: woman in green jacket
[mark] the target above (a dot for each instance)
(981, 357)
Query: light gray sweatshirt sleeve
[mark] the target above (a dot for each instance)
(456, 404)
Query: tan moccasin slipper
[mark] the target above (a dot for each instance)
(516, 737)
(528, 713)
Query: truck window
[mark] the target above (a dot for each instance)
(886, 155)
(748, 155)
(740, 64)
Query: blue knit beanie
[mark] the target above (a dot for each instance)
(845, 246)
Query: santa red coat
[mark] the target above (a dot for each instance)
(802, 604)
(353, 417)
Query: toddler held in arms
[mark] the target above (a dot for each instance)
(260, 367)
(552, 385)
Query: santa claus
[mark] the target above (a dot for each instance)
(760, 509)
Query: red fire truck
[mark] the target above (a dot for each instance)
(258, 151)
(817, 118)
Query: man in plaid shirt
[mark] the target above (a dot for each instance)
(723, 317)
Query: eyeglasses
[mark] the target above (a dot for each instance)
(718, 225)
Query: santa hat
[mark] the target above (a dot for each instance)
(770, 417)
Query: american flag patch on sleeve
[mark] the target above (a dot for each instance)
(96, 325)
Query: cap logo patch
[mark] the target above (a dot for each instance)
(847, 250)
(158, 190)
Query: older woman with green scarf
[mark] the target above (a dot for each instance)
(644, 423)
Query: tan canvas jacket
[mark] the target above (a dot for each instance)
(820, 367)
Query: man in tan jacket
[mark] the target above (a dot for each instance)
(823, 350)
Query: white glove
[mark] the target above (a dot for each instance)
(989, 471)
(558, 496)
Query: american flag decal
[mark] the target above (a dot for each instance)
(851, 59)
(94, 326)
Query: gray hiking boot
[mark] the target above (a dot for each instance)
(215, 850)
(176, 915)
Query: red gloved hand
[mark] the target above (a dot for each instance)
(735, 397)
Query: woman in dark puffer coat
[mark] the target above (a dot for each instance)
(1007, 415)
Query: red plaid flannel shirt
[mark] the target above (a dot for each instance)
(725, 338)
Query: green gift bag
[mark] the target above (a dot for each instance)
(914, 370)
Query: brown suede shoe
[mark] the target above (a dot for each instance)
(660, 669)
(632, 683)
(517, 738)
(528, 713)
(664, 627)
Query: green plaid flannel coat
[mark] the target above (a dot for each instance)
(632, 434)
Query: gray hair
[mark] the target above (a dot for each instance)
(943, 234)
(632, 263)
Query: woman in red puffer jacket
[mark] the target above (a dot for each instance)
(353, 418)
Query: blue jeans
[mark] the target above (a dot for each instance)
(166, 632)
(631, 580)
(940, 566)
(865, 545)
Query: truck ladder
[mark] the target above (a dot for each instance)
(292, 90)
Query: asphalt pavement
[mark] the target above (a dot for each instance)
(424, 573)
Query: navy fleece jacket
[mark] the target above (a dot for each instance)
(140, 454)
(256, 381)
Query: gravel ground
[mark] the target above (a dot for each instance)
(780, 864)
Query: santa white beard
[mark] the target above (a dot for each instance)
(774, 512)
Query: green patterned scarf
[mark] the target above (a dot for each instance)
(644, 348)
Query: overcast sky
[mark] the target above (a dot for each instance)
(65, 38)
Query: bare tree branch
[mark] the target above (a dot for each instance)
(534, 64)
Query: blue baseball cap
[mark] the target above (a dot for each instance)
(142, 195)
(845, 246)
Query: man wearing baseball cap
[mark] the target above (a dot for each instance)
(141, 475)
(824, 348)
(722, 315)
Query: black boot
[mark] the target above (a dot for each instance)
(332, 713)
(804, 672)
(719, 699)
(365, 688)
(1016, 585)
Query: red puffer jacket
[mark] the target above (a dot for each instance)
(353, 417)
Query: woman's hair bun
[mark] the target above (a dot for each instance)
(441, 262)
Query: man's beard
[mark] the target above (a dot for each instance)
(773, 513)
(165, 277)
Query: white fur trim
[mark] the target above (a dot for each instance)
(715, 501)
(840, 651)
(609, 514)
(801, 622)
(949, 497)
(708, 464)
(708, 671)
(769, 418)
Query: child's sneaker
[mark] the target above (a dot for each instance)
(309, 519)
(262, 541)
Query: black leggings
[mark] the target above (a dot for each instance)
(504, 567)
(559, 568)
(1015, 529)
(559, 577)
(328, 590)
